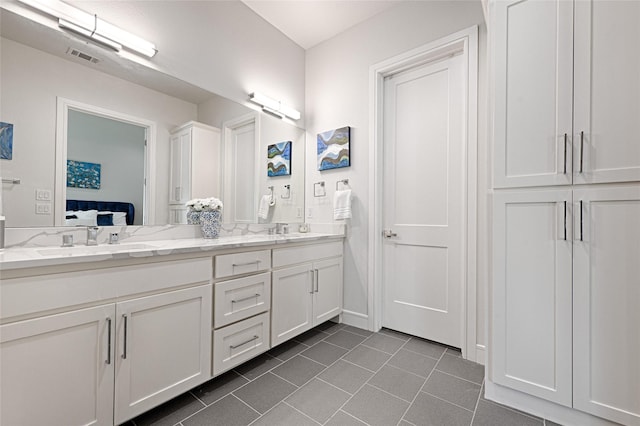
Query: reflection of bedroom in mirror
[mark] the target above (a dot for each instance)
(101, 168)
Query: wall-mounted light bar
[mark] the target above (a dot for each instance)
(91, 27)
(273, 106)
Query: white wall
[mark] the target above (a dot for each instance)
(337, 94)
(119, 149)
(31, 81)
(221, 46)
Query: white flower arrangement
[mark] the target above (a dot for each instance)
(204, 204)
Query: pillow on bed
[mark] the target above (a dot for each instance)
(82, 218)
(105, 219)
(118, 218)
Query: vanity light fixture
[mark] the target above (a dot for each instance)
(273, 106)
(90, 26)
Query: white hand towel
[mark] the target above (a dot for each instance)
(265, 205)
(342, 204)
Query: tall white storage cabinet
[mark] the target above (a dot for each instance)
(566, 210)
(194, 167)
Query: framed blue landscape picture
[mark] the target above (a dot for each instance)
(279, 159)
(6, 141)
(81, 174)
(333, 149)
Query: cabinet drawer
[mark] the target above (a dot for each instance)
(227, 265)
(241, 298)
(239, 342)
(310, 253)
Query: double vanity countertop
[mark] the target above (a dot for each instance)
(31, 257)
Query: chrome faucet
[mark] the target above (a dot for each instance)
(282, 228)
(92, 235)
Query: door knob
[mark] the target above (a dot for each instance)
(388, 233)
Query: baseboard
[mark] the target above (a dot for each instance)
(481, 352)
(355, 319)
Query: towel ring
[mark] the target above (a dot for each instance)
(345, 182)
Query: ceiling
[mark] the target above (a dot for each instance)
(310, 22)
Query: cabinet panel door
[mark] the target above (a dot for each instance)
(607, 91)
(163, 348)
(532, 293)
(533, 86)
(291, 302)
(327, 298)
(58, 370)
(606, 273)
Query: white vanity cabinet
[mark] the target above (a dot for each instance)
(194, 148)
(90, 350)
(307, 288)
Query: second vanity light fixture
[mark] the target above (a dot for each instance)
(90, 26)
(273, 106)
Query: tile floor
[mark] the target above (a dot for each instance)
(341, 375)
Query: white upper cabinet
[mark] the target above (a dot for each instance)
(533, 74)
(607, 91)
(558, 62)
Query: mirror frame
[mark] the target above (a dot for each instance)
(60, 184)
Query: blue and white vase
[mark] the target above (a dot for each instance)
(193, 217)
(210, 223)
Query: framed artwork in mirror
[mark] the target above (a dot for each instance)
(333, 148)
(6, 141)
(81, 174)
(279, 159)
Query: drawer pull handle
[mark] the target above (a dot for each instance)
(124, 346)
(581, 149)
(565, 153)
(108, 361)
(245, 298)
(255, 262)
(244, 343)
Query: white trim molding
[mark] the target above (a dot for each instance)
(62, 120)
(355, 319)
(466, 42)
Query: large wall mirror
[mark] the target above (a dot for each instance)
(41, 68)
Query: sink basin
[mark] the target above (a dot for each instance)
(79, 250)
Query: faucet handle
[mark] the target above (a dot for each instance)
(113, 238)
(92, 235)
(67, 240)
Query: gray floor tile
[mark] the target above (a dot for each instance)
(424, 347)
(376, 407)
(369, 358)
(216, 388)
(257, 366)
(453, 352)
(265, 392)
(346, 376)
(384, 343)
(452, 389)
(396, 334)
(311, 337)
(298, 370)
(229, 411)
(404, 423)
(550, 423)
(284, 415)
(343, 419)
(462, 368)
(329, 327)
(318, 400)
(356, 330)
(287, 350)
(397, 382)
(428, 410)
(489, 414)
(413, 362)
(171, 412)
(345, 339)
(324, 353)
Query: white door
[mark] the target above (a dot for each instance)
(532, 292)
(240, 196)
(424, 175)
(607, 91)
(65, 362)
(163, 348)
(606, 303)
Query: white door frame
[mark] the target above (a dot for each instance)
(62, 130)
(465, 41)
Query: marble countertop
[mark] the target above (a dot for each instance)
(18, 258)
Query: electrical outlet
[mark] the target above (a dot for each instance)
(43, 208)
(300, 212)
(309, 212)
(43, 195)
